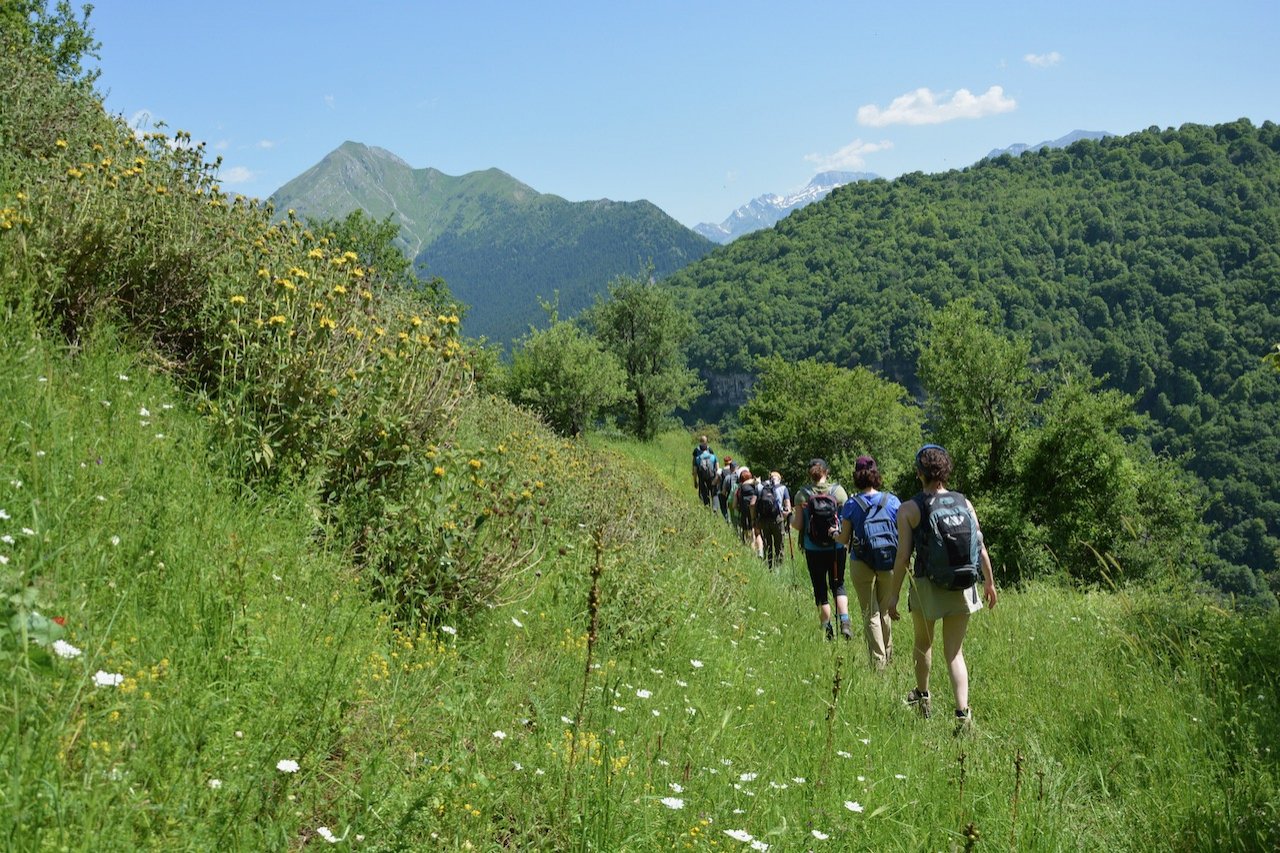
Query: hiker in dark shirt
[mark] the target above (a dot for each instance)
(824, 555)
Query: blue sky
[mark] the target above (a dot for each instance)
(696, 106)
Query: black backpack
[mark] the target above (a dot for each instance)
(878, 534)
(768, 508)
(823, 523)
(949, 542)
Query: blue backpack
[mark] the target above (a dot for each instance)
(877, 544)
(948, 541)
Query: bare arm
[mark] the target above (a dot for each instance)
(988, 579)
(908, 518)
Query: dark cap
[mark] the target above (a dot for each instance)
(864, 463)
(921, 451)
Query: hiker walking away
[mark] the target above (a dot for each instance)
(817, 518)
(938, 530)
(772, 506)
(734, 515)
(747, 498)
(869, 527)
(704, 471)
(723, 484)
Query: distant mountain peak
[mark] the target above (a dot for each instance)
(1019, 148)
(765, 210)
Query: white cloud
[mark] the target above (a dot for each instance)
(266, 143)
(852, 156)
(1043, 60)
(924, 107)
(329, 101)
(221, 145)
(237, 175)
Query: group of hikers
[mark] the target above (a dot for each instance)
(870, 538)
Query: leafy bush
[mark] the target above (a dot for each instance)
(566, 376)
(806, 409)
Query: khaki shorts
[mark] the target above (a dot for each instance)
(934, 603)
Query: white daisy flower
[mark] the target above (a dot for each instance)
(215, 784)
(327, 834)
(853, 806)
(499, 735)
(449, 629)
(696, 664)
(673, 803)
(63, 649)
(643, 694)
(821, 836)
(739, 835)
(287, 765)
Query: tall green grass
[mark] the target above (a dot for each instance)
(1103, 720)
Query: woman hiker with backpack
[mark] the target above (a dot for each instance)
(938, 531)
(869, 527)
(817, 517)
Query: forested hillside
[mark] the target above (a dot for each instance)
(1149, 259)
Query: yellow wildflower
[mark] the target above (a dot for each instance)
(276, 319)
(326, 323)
(61, 143)
(237, 300)
(438, 471)
(316, 253)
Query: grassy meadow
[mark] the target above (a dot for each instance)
(704, 708)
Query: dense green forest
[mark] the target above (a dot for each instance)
(1149, 259)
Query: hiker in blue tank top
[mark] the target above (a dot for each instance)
(869, 527)
(948, 561)
(823, 554)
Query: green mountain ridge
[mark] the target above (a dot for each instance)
(1150, 259)
(499, 244)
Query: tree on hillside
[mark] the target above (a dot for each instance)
(645, 329)
(1098, 503)
(806, 409)
(58, 34)
(979, 392)
(566, 376)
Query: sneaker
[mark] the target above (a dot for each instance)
(919, 699)
(846, 629)
(964, 722)
(831, 632)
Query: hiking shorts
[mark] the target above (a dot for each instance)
(826, 572)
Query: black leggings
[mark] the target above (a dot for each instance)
(826, 570)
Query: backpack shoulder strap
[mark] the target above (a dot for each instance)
(884, 499)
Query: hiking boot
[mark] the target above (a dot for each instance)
(846, 629)
(964, 722)
(830, 632)
(919, 699)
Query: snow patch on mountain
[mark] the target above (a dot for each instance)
(763, 211)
